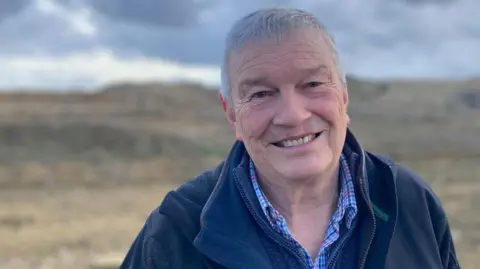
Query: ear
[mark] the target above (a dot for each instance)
(223, 102)
(345, 102)
(230, 115)
(345, 96)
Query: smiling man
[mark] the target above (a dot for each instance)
(296, 190)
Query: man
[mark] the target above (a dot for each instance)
(296, 190)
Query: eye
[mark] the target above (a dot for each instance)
(313, 84)
(259, 95)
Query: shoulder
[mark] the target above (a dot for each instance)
(410, 183)
(166, 239)
(415, 191)
(414, 194)
(181, 207)
(422, 224)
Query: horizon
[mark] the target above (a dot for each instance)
(84, 44)
(111, 71)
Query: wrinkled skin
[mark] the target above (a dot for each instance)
(289, 89)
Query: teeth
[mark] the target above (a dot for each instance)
(297, 142)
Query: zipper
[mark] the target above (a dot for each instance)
(396, 213)
(362, 187)
(281, 241)
(346, 236)
(337, 251)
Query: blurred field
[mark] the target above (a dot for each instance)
(80, 172)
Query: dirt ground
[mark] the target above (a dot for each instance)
(68, 228)
(79, 176)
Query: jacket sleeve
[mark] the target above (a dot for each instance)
(446, 245)
(161, 244)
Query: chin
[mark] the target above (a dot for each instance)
(301, 168)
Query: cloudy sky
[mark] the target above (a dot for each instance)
(85, 43)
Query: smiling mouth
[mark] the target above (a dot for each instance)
(297, 142)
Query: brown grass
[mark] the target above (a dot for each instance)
(55, 97)
(83, 173)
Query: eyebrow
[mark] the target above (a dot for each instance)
(263, 80)
(249, 82)
(316, 69)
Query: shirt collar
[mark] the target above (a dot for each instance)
(346, 206)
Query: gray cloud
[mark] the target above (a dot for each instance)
(10, 8)
(32, 32)
(178, 13)
(436, 2)
(375, 37)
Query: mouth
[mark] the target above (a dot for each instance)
(288, 143)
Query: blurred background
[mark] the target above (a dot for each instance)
(106, 105)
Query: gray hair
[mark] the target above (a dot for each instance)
(271, 23)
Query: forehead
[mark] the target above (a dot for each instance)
(297, 50)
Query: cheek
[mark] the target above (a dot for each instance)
(329, 104)
(329, 110)
(338, 100)
(253, 124)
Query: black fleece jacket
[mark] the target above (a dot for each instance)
(215, 221)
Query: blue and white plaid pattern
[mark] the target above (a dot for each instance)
(346, 208)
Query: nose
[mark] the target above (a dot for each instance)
(291, 109)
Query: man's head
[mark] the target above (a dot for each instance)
(284, 93)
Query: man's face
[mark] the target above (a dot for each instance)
(288, 106)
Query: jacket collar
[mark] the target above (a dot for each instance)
(226, 223)
(232, 209)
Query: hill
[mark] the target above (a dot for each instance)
(80, 161)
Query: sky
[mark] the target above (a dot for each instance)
(71, 44)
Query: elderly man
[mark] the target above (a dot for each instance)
(296, 190)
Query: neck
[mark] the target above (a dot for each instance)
(299, 199)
